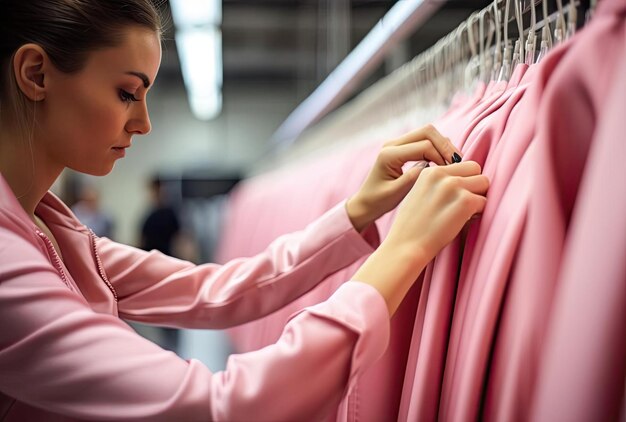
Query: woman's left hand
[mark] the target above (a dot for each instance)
(386, 184)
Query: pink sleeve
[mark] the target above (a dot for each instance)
(58, 355)
(154, 288)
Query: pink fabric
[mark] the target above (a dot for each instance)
(499, 141)
(475, 133)
(489, 262)
(581, 358)
(376, 394)
(586, 337)
(476, 344)
(64, 354)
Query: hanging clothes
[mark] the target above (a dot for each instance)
(486, 332)
(561, 346)
(478, 133)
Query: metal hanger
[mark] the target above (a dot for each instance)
(472, 69)
(518, 51)
(531, 40)
(592, 8)
(546, 37)
(497, 56)
(572, 15)
(486, 59)
(505, 70)
(560, 27)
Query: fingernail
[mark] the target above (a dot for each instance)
(456, 158)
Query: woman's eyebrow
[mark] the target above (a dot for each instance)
(142, 76)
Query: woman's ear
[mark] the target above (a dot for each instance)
(29, 63)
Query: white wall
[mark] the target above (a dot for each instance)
(178, 141)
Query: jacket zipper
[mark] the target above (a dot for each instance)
(103, 275)
(56, 260)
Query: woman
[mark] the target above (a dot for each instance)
(74, 80)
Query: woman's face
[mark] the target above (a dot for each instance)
(88, 119)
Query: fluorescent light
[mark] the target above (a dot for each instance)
(206, 107)
(200, 53)
(199, 44)
(189, 13)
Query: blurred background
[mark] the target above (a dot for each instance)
(233, 72)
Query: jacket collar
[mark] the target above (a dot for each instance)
(51, 209)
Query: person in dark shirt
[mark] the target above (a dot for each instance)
(159, 231)
(161, 225)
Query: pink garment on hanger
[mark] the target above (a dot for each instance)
(499, 141)
(423, 376)
(571, 284)
(461, 107)
(499, 137)
(586, 338)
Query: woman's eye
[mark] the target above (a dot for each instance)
(127, 96)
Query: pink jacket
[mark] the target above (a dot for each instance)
(66, 355)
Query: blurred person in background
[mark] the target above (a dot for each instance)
(161, 225)
(74, 79)
(161, 231)
(89, 211)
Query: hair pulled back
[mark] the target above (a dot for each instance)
(68, 30)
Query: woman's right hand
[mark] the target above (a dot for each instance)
(433, 213)
(440, 203)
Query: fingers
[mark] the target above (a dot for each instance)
(475, 204)
(476, 184)
(443, 145)
(464, 169)
(464, 178)
(417, 151)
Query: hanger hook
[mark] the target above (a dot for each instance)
(592, 8)
(546, 35)
(497, 58)
(531, 41)
(520, 28)
(471, 35)
(571, 21)
(505, 69)
(481, 44)
(505, 23)
(560, 27)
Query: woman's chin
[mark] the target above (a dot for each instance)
(99, 171)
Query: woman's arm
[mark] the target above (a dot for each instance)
(154, 288)
(58, 355)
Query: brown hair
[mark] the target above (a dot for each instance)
(68, 30)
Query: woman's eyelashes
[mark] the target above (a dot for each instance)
(127, 97)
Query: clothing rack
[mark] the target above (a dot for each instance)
(415, 81)
(404, 18)
(493, 328)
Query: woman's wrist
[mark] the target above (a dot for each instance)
(359, 213)
(392, 269)
(412, 256)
